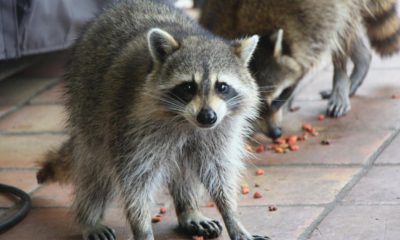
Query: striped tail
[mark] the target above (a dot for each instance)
(383, 26)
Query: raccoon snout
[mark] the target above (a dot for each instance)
(207, 117)
(275, 132)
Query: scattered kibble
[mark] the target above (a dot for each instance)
(256, 185)
(307, 127)
(326, 142)
(321, 117)
(292, 140)
(294, 147)
(156, 219)
(163, 210)
(244, 190)
(257, 195)
(260, 172)
(280, 141)
(395, 96)
(279, 150)
(272, 208)
(260, 149)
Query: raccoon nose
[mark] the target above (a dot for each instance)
(207, 116)
(275, 133)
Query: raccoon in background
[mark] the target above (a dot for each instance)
(295, 34)
(154, 98)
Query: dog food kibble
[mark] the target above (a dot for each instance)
(163, 210)
(257, 195)
(260, 172)
(307, 127)
(272, 208)
(280, 141)
(197, 238)
(279, 150)
(256, 185)
(245, 190)
(395, 96)
(326, 142)
(321, 117)
(294, 147)
(156, 219)
(260, 149)
(292, 140)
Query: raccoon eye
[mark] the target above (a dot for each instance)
(222, 88)
(189, 87)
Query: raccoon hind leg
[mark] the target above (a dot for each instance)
(185, 192)
(339, 101)
(361, 58)
(93, 191)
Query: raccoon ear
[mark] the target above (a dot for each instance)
(278, 37)
(244, 48)
(161, 44)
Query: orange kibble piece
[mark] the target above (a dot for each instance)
(260, 149)
(280, 141)
(292, 140)
(307, 127)
(321, 117)
(245, 190)
(163, 210)
(260, 172)
(156, 219)
(395, 96)
(279, 150)
(257, 195)
(294, 147)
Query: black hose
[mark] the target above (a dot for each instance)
(25, 200)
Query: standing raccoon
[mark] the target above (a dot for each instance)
(153, 98)
(296, 34)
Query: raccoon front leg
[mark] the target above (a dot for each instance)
(361, 58)
(339, 102)
(221, 182)
(136, 182)
(185, 192)
(91, 199)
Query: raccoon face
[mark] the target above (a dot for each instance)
(203, 81)
(277, 76)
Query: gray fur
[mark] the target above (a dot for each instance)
(129, 136)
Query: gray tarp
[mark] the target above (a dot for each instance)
(37, 26)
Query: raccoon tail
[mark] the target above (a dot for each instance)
(56, 166)
(383, 26)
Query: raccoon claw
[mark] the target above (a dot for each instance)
(256, 237)
(337, 110)
(100, 233)
(203, 227)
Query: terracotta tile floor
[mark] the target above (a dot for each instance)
(347, 190)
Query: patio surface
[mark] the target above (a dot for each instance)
(347, 190)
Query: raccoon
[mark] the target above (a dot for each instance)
(155, 99)
(296, 34)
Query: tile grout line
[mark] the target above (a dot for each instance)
(348, 187)
(26, 101)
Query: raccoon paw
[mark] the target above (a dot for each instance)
(338, 105)
(99, 233)
(198, 225)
